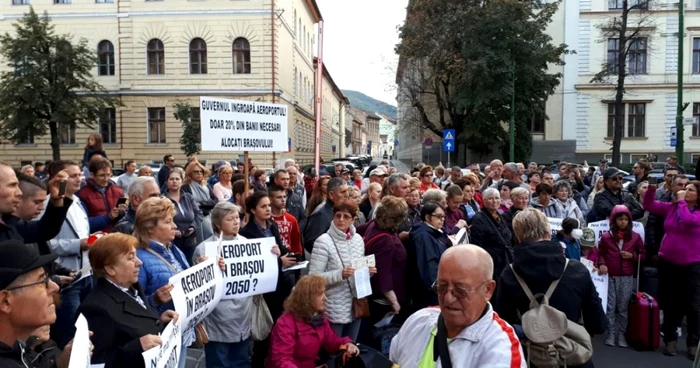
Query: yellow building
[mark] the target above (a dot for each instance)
(153, 54)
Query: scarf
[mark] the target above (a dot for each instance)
(316, 320)
(199, 192)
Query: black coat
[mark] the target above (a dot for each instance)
(654, 230)
(539, 264)
(285, 280)
(508, 217)
(605, 201)
(117, 322)
(41, 230)
(318, 224)
(11, 356)
(42, 355)
(494, 237)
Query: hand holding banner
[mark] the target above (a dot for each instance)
(168, 354)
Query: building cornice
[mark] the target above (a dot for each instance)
(168, 13)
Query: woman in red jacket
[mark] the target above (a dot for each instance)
(303, 329)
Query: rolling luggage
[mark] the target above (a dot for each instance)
(643, 327)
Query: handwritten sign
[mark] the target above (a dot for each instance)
(197, 291)
(80, 354)
(251, 267)
(600, 227)
(168, 354)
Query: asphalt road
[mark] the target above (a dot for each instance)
(606, 356)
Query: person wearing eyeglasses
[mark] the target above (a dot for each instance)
(490, 231)
(203, 194)
(612, 195)
(426, 179)
(464, 286)
(424, 249)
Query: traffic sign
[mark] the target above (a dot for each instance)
(448, 140)
(690, 121)
(674, 138)
(333, 148)
(428, 142)
(396, 142)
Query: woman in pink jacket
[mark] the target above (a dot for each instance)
(303, 329)
(679, 264)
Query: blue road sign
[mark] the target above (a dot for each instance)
(448, 140)
(396, 142)
(674, 138)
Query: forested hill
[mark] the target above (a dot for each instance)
(364, 102)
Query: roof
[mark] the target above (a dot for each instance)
(372, 116)
(315, 11)
(327, 74)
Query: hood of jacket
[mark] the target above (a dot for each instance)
(422, 227)
(12, 356)
(539, 262)
(618, 210)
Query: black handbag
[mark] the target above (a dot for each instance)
(368, 358)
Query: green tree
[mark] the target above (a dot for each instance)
(50, 82)
(190, 142)
(461, 61)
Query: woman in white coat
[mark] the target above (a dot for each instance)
(332, 259)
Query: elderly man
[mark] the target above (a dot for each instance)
(141, 189)
(494, 174)
(511, 173)
(375, 176)
(27, 298)
(477, 336)
(296, 183)
(612, 195)
(320, 220)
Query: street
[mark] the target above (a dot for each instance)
(606, 356)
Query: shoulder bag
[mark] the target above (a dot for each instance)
(509, 256)
(360, 307)
(440, 349)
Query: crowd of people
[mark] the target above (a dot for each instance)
(478, 245)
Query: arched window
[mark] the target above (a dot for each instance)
(241, 56)
(105, 52)
(198, 56)
(156, 56)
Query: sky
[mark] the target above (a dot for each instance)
(358, 45)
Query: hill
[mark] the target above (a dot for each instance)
(364, 102)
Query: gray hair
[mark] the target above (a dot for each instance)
(334, 184)
(435, 195)
(516, 192)
(221, 210)
(136, 186)
(289, 162)
(531, 225)
(511, 166)
(491, 192)
(393, 180)
(561, 184)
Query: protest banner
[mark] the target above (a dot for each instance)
(600, 227)
(197, 291)
(554, 224)
(251, 267)
(168, 354)
(80, 353)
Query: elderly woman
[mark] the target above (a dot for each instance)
(521, 200)
(426, 179)
(223, 190)
(490, 231)
(155, 230)
(123, 323)
(196, 185)
(145, 170)
(533, 178)
(332, 259)
(564, 198)
(260, 180)
(456, 218)
(188, 216)
(596, 189)
(469, 203)
(424, 251)
(413, 202)
(228, 325)
(504, 187)
(355, 197)
(303, 330)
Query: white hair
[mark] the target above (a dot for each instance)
(136, 186)
(289, 162)
(491, 192)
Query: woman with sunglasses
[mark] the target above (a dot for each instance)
(426, 179)
(424, 252)
(202, 193)
(332, 259)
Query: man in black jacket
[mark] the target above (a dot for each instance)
(294, 204)
(539, 261)
(44, 229)
(612, 195)
(320, 221)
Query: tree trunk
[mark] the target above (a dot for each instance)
(619, 123)
(55, 141)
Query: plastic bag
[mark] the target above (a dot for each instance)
(262, 319)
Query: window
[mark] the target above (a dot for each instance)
(615, 4)
(619, 4)
(108, 126)
(634, 158)
(696, 55)
(105, 53)
(611, 120)
(241, 56)
(696, 115)
(66, 133)
(635, 120)
(61, 1)
(156, 125)
(613, 54)
(20, 2)
(198, 56)
(537, 124)
(637, 56)
(196, 120)
(294, 23)
(104, 1)
(25, 138)
(156, 56)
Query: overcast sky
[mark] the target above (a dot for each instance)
(359, 41)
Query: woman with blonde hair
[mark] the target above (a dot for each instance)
(303, 329)
(202, 193)
(370, 199)
(223, 190)
(596, 189)
(318, 195)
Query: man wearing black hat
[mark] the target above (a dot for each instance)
(612, 195)
(26, 301)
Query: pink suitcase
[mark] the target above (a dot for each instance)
(643, 328)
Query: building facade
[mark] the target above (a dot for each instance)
(153, 54)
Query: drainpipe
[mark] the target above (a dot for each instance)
(272, 31)
(319, 98)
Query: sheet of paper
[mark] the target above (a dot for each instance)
(166, 355)
(384, 321)
(367, 261)
(601, 285)
(80, 354)
(362, 284)
(297, 266)
(86, 271)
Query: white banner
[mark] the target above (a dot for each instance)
(251, 267)
(197, 291)
(168, 354)
(80, 353)
(555, 224)
(232, 125)
(600, 227)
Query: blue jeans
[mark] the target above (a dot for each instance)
(350, 330)
(67, 312)
(228, 354)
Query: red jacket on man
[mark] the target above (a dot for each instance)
(100, 202)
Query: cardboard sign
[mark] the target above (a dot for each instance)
(168, 354)
(197, 291)
(251, 267)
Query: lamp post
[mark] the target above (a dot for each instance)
(679, 98)
(512, 109)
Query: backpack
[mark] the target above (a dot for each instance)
(552, 339)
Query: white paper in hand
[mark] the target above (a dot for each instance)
(362, 284)
(80, 353)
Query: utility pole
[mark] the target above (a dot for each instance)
(679, 103)
(512, 111)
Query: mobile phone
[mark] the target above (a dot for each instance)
(121, 200)
(62, 188)
(653, 180)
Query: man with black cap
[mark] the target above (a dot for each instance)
(26, 302)
(612, 195)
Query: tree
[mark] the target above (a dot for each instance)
(190, 142)
(459, 59)
(50, 82)
(628, 32)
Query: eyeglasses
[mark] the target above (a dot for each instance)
(440, 217)
(458, 293)
(343, 216)
(197, 172)
(428, 174)
(45, 281)
(615, 178)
